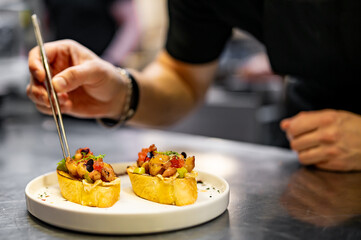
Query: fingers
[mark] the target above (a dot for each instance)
(301, 123)
(35, 65)
(311, 156)
(334, 166)
(325, 138)
(43, 109)
(326, 157)
(37, 93)
(305, 122)
(60, 55)
(40, 97)
(305, 141)
(73, 77)
(46, 109)
(312, 148)
(285, 124)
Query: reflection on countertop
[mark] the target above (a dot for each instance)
(322, 198)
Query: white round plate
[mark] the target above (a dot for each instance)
(131, 214)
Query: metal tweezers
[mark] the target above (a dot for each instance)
(53, 98)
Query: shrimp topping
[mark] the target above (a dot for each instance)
(84, 165)
(168, 164)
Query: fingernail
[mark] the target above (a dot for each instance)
(59, 84)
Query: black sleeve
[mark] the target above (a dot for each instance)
(195, 33)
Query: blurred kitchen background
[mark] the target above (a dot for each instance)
(243, 103)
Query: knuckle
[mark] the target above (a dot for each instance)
(71, 74)
(329, 136)
(328, 118)
(39, 96)
(35, 93)
(302, 113)
(69, 41)
(332, 152)
(95, 64)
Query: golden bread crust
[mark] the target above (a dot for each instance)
(174, 191)
(98, 194)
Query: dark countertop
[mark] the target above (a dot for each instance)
(272, 196)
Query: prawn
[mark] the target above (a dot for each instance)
(107, 173)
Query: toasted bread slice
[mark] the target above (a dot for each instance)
(98, 194)
(172, 190)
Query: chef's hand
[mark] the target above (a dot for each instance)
(87, 86)
(328, 139)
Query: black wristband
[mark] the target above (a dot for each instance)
(134, 99)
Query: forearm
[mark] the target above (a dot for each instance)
(163, 98)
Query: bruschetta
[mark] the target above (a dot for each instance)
(164, 177)
(87, 180)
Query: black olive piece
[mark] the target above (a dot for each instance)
(84, 151)
(184, 154)
(150, 155)
(89, 165)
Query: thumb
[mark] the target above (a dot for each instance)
(73, 77)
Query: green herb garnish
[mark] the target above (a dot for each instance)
(95, 158)
(62, 166)
(168, 153)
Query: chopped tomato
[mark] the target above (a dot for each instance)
(142, 156)
(98, 165)
(177, 162)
